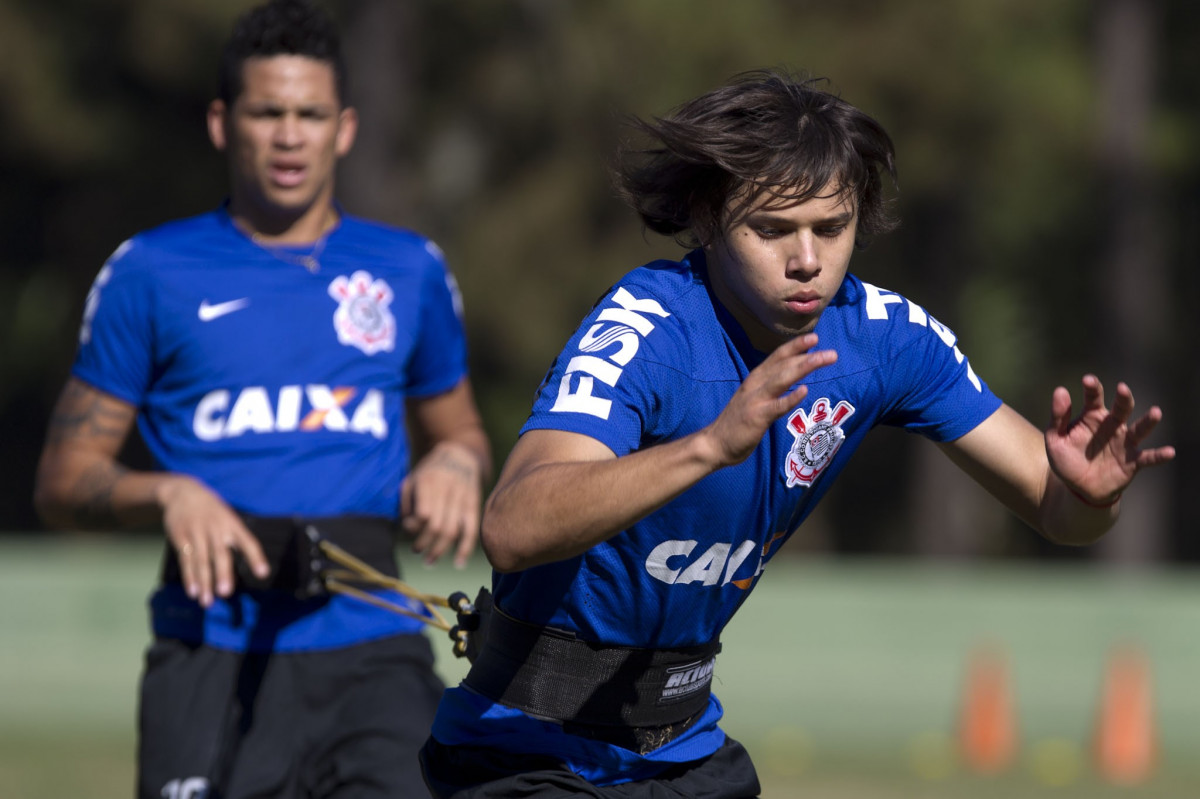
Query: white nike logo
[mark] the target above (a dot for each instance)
(207, 312)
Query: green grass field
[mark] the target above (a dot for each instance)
(843, 678)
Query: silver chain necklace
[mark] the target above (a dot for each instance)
(309, 260)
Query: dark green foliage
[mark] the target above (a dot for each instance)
(492, 124)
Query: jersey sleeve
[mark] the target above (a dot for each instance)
(439, 361)
(623, 378)
(936, 392)
(116, 347)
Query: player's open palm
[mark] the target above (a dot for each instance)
(766, 395)
(1097, 453)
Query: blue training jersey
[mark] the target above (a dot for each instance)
(659, 358)
(278, 385)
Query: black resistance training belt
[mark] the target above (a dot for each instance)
(350, 555)
(551, 674)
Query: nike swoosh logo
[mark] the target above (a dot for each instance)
(207, 312)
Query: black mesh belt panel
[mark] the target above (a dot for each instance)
(550, 674)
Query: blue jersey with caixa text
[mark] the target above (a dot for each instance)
(277, 376)
(658, 358)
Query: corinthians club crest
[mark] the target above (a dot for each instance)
(362, 318)
(818, 436)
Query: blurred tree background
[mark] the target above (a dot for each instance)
(1049, 197)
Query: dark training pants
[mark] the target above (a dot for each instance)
(334, 724)
(463, 772)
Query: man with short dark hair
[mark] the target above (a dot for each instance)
(273, 352)
(690, 426)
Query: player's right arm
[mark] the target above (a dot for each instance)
(80, 484)
(561, 493)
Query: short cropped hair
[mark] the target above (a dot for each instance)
(280, 27)
(763, 131)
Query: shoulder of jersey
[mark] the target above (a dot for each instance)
(681, 314)
(874, 311)
(187, 239)
(874, 318)
(671, 283)
(371, 237)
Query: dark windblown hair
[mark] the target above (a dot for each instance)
(280, 27)
(762, 131)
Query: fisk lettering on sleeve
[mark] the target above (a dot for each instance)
(877, 304)
(629, 327)
(253, 411)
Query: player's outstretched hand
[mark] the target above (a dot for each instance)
(205, 531)
(766, 395)
(1098, 453)
(440, 503)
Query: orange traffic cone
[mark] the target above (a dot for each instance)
(988, 727)
(1126, 739)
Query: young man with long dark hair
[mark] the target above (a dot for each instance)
(689, 427)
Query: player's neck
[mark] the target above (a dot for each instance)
(271, 226)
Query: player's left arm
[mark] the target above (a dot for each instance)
(441, 497)
(1065, 482)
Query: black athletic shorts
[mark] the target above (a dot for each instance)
(464, 772)
(343, 723)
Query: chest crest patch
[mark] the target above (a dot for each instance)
(362, 318)
(818, 435)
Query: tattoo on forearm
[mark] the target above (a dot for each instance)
(95, 491)
(452, 463)
(80, 414)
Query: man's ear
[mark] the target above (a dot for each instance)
(217, 116)
(347, 131)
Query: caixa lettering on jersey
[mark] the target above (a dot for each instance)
(308, 408)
